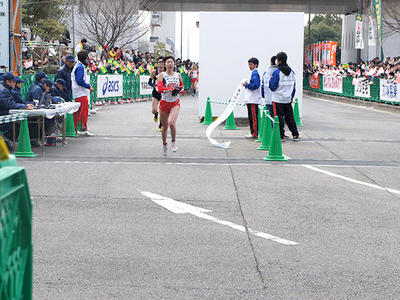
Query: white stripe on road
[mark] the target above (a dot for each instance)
(375, 186)
(178, 207)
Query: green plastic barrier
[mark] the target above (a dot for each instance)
(131, 86)
(15, 235)
(348, 90)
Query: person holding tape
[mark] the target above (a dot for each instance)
(253, 97)
(170, 86)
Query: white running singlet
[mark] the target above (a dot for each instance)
(170, 81)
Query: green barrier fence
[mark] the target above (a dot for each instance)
(131, 86)
(348, 90)
(15, 235)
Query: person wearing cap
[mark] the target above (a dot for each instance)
(7, 102)
(65, 73)
(36, 89)
(16, 91)
(81, 46)
(58, 90)
(81, 89)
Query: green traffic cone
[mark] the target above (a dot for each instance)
(208, 115)
(230, 123)
(24, 142)
(297, 113)
(275, 149)
(267, 132)
(260, 128)
(70, 130)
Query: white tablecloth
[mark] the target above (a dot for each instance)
(61, 110)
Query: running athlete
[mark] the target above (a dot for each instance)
(170, 85)
(195, 78)
(156, 96)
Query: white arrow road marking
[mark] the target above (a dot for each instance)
(178, 207)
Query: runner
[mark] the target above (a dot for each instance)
(170, 85)
(195, 78)
(156, 96)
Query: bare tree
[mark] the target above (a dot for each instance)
(391, 16)
(109, 22)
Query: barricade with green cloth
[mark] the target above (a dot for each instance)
(378, 90)
(15, 230)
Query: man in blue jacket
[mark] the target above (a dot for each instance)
(7, 102)
(58, 90)
(253, 97)
(65, 74)
(283, 87)
(16, 91)
(36, 89)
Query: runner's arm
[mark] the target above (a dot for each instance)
(160, 85)
(181, 84)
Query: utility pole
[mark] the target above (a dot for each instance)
(181, 35)
(309, 32)
(360, 11)
(73, 28)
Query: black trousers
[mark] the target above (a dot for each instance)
(285, 113)
(252, 111)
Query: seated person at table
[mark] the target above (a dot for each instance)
(7, 102)
(58, 91)
(17, 90)
(36, 89)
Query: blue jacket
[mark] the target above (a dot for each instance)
(17, 95)
(56, 94)
(35, 92)
(7, 100)
(65, 73)
(283, 84)
(254, 81)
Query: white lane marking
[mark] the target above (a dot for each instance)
(375, 186)
(178, 207)
(261, 164)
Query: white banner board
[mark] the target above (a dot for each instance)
(4, 35)
(230, 39)
(145, 88)
(333, 84)
(109, 86)
(389, 91)
(362, 88)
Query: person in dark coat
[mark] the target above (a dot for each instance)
(65, 74)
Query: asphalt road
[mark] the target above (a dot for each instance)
(98, 236)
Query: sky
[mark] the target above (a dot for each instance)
(191, 34)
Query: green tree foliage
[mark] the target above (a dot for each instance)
(43, 17)
(160, 50)
(324, 28)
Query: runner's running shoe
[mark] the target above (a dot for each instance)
(174, 148)
(155, 117)
(165, 150)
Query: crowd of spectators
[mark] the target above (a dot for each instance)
(388, 69)
(105, 59)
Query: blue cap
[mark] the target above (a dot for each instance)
(48, 82)
(9, 76)
(19, 80)
(69, 58)
(61, 81)
(40, 76)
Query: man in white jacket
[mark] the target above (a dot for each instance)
(253, 97)
(81, 89)
(266, 93)
(283, 87)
